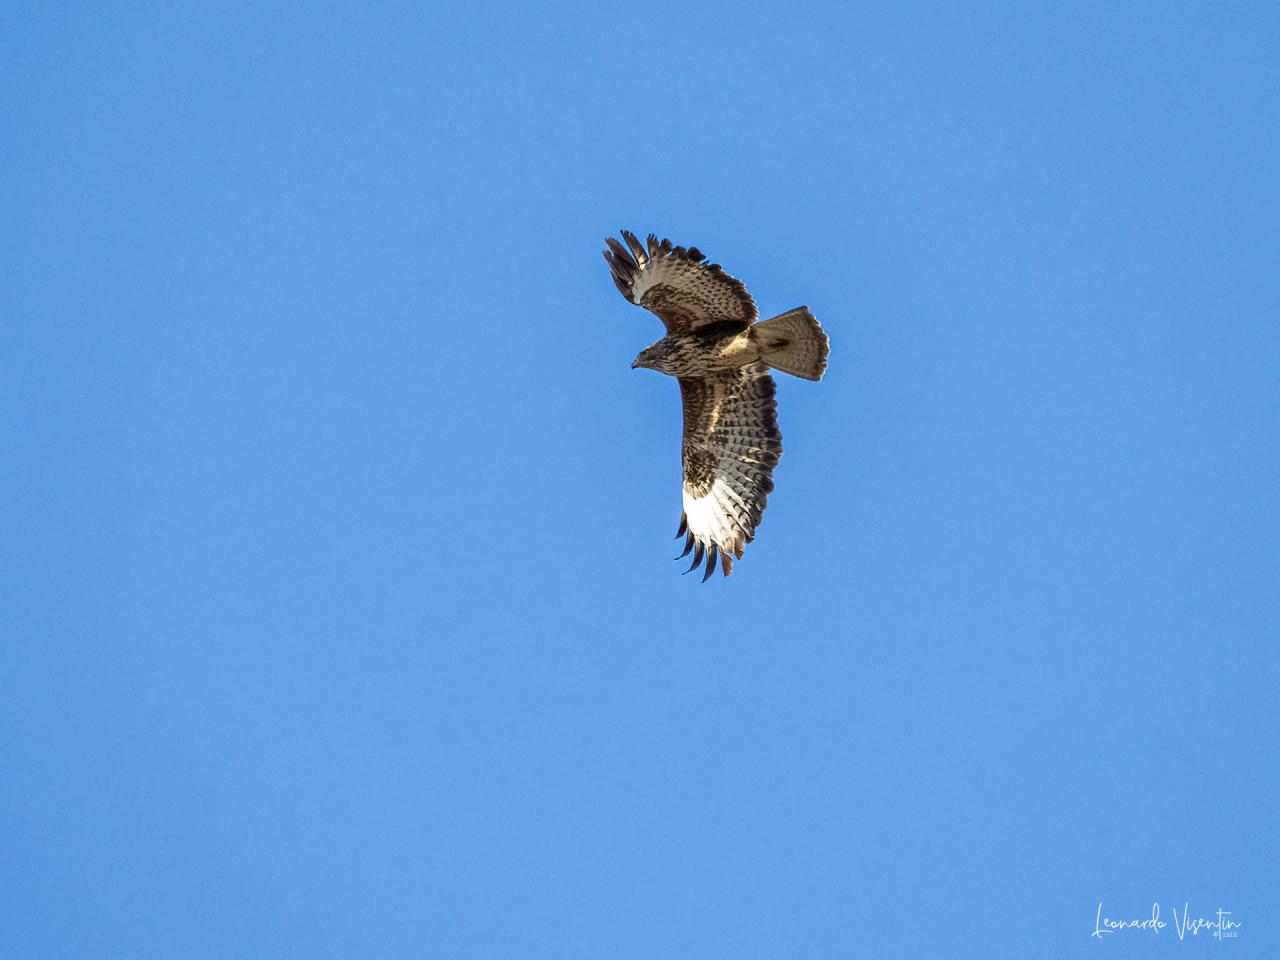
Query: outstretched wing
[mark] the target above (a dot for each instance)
(678, 285)
(731, 445)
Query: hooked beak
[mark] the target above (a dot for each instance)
(634, 364)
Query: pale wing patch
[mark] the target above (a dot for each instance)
(710, 519)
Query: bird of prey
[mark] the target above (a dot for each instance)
(722, 358)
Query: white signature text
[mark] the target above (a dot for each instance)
(1221, 928)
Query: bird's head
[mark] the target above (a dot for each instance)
(657, 356)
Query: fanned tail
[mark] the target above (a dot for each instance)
(794, 343)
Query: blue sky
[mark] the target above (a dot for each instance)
(339, 617)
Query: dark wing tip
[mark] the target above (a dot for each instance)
(623, 266)
(619, 251)
(637, 251)
(711, 563)
(697, 556)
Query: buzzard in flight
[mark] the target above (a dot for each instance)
(722, 358)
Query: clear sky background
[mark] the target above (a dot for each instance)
(339, 616)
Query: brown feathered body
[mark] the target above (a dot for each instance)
(707, 352)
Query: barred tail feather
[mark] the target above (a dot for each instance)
(794, 343)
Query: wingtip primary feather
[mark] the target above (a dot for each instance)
(697, 557)
(711, 563)
(620, 251)
(637, 249)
